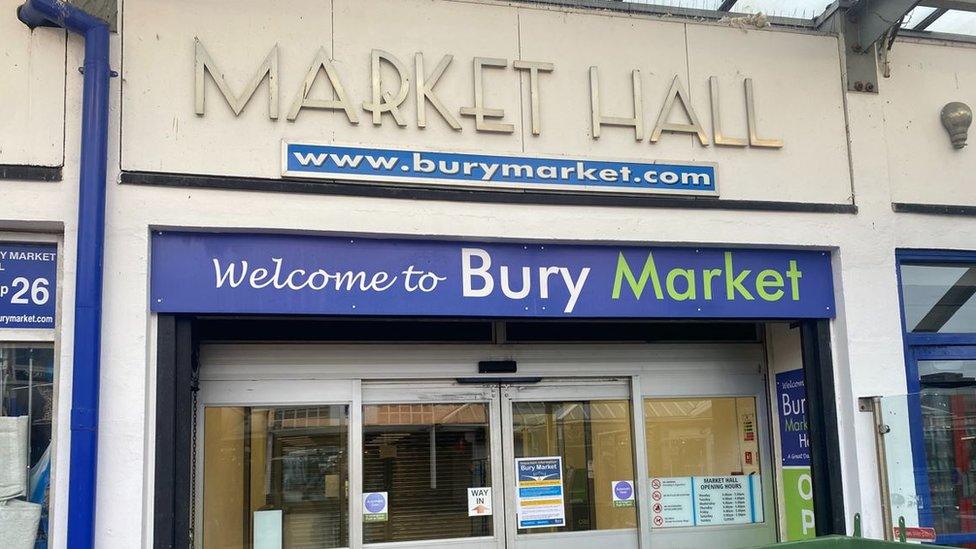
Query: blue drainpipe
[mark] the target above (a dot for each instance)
(91, 240)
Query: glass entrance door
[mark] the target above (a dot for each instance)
(425, 463)
(569, 453)
(431, 471)
(462, 465)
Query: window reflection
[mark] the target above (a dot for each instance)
(701, 436)
(293, 460)
(938, 298)
(948, 401)
(594, 440)
(425, 457)
(27, 392)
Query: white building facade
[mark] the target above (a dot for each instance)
(371, 266)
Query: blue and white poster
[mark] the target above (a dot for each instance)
(28, 285)
(678, 502)
(791, 400)
(496, 171)
(791, 395)
(541, 499)
(196, 272)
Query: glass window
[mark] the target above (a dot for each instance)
(955, 21)
(595, 443)
(26, 414)
(276, 474)
(423, 458)
(701, 436)
(938, 298)
(948, 402)
(703, 460)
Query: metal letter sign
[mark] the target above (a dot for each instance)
(28, 285)
(303, 274)
(494, 171)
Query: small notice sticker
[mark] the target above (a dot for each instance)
(479, 502)
(623, 493)
(375, 507)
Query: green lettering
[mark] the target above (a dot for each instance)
(733, 285)
(708, 275)
(689, 276)
(637, 286)
(769, 279)
(794, 275)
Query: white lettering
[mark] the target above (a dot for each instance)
(544, 274)
(379, 281)
(408, 275)
(383, 162)
(575, 288)
(345, 160)
(291, 283)
(350, 278)
(489, 170)
(526, 283)
(228, 275)
(429, 281)
(258, 277)
(423, 165)
(468, 271)
(311, 158)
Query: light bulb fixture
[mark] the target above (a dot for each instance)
(956, 117)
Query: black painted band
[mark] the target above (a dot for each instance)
(345, 188)
(30, 173)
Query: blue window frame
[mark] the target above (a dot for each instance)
(929, 351)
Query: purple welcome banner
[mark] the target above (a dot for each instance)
(194, 272)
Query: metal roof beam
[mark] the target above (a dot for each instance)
(962, 5)
(861, 25)
(929, 19)
(665, 11)
(871, 19)
(727, 5)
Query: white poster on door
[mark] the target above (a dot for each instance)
(705, 501)
(540, 500)
(672, 504)
(724, 500)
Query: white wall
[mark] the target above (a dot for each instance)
(924, 77)
(800, 102)
(32, 92)
(867, 342)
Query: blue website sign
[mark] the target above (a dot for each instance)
(28, 285)
(495, 171)
(305, 274)
(792, 400)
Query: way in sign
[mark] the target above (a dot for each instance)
(479, 502)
